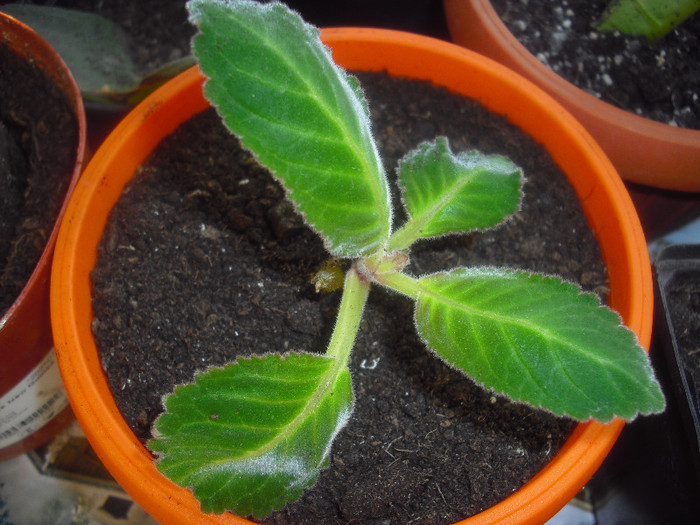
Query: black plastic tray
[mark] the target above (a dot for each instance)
(674, 266)
(652, 475)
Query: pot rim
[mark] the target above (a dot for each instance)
(406, 54)
(29, 44)
(651, 145)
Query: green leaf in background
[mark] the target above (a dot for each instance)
(97, 52)
(447, 193)
(95, 49)
(650, 18)
(537, 340)
(253, 435)
(277, 88)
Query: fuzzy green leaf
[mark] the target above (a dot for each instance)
(251, 436)
(538, 340)
(447, 193)
(276, 86)
(650, 18)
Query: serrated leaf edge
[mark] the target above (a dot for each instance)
(318, 394)
(352, 87)
(575, 286)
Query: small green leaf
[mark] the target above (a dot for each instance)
(539, 340)
(251, 436)
(650, 18)
(447, 193)
(276, 86)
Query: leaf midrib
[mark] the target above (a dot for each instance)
(433, 210)
(328, 379)
(355, 147)
(519, 322)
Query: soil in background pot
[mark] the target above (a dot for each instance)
(38, 137)
(658, 80)
(202, 246)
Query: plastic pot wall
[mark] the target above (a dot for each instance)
(33, 404)
(604, 198)
(642, 150)
(673, 266)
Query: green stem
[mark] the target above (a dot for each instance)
(352, 303)
(400, 282)
(404, 236)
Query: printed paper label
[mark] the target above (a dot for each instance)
(32, 403)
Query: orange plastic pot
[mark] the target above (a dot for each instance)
(642, 150)
(604, 198)
(33, 405)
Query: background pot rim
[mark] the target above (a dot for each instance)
(651, 146)
(25, 327)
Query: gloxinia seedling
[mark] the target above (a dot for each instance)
(251, 436)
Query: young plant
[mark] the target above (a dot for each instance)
(650, 18)
(251, 436)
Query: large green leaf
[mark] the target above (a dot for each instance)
(251, 436)
(451, 193)
(539, 340)
(277, 87)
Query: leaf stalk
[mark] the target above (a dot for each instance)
(402, 283)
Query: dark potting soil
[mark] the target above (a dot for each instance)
(684, 305)
(202, 247)
(659, 80)
(38, 138)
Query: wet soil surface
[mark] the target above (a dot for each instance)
(202, 247)
(659, 80)
(38, 140)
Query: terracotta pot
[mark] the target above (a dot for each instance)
(604, 198)
(642, 150)
(31, 394)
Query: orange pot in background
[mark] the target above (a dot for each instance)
(605, 201)
(33, 405)
(643, 151)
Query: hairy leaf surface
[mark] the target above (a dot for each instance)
(537, 340)
(451, 193)
(276, 86)
(253, 435)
